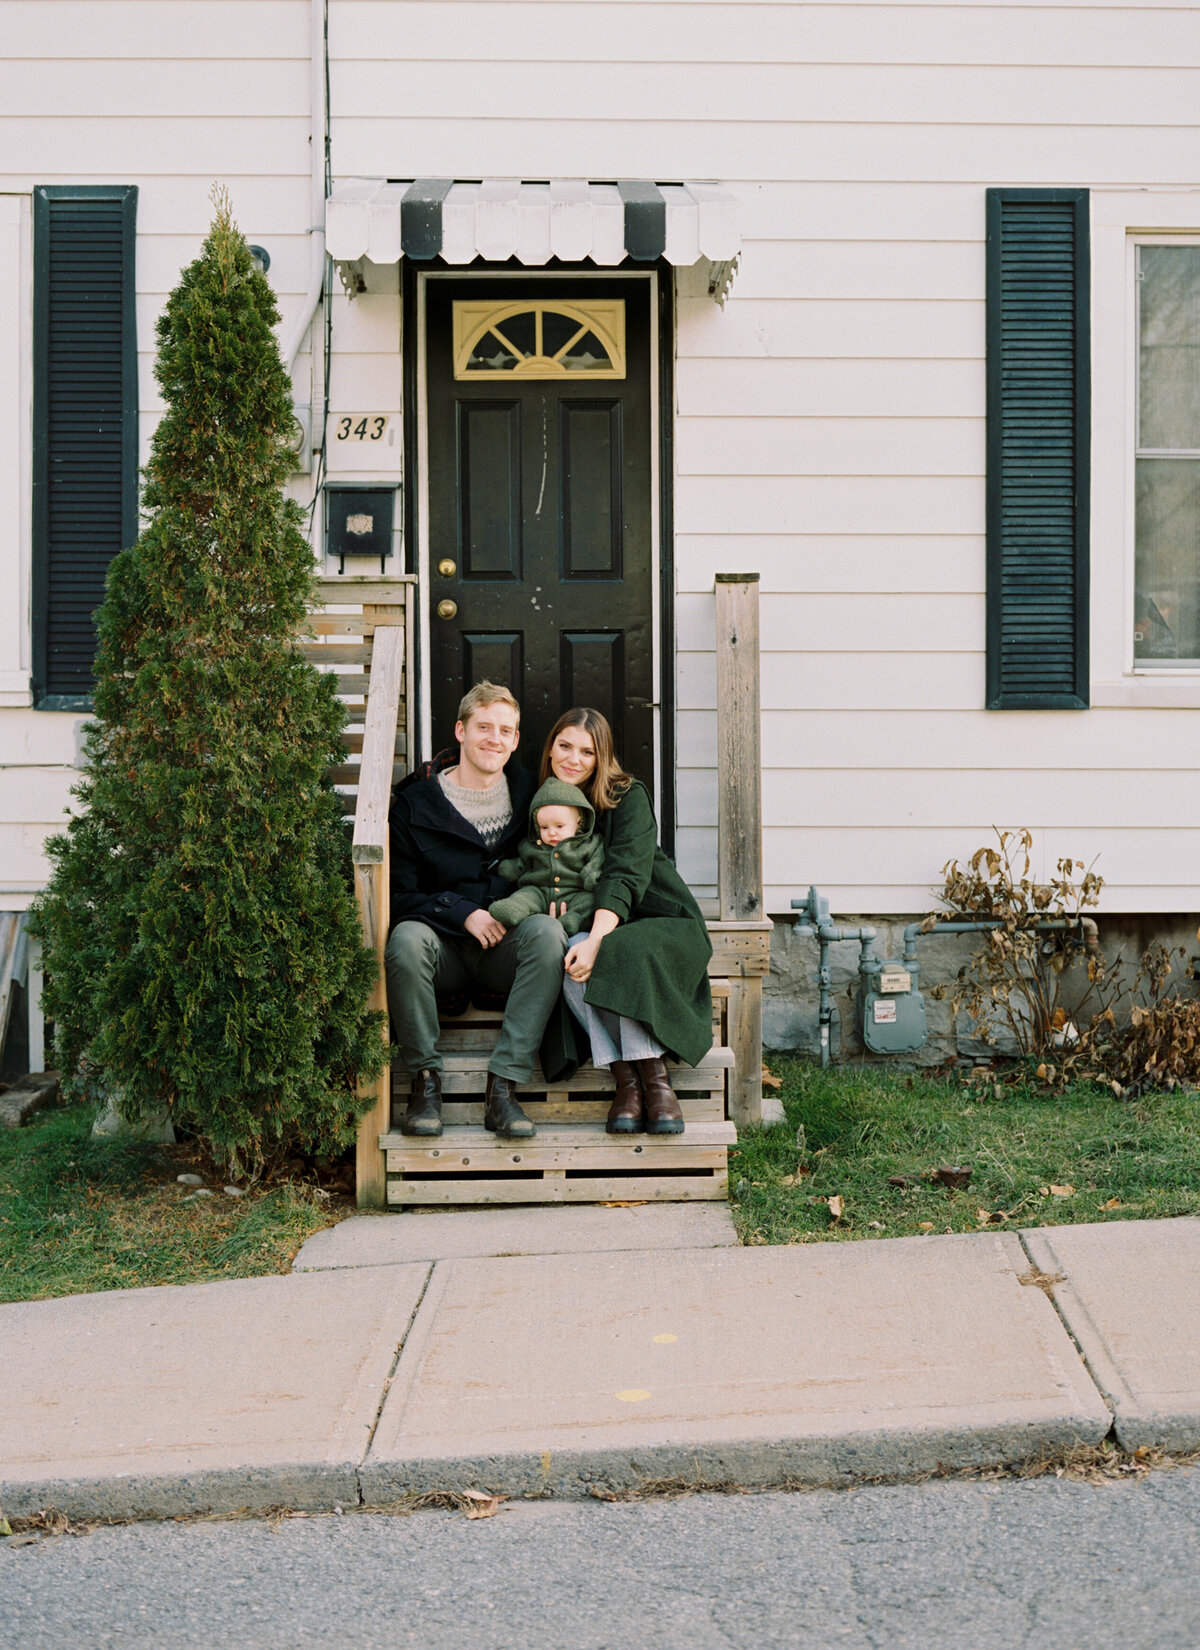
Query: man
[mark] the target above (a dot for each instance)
(451, 823)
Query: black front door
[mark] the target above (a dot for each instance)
(539, 431)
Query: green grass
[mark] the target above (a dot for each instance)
(78, 1214)
(1120, 1160)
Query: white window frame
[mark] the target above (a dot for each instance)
(1121, 219)
(16, 427)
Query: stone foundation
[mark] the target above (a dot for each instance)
(790, 996)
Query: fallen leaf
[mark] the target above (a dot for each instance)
(5, 1526)
(990, 1217)
(900, 1180)
(482, 1505)
(788, 1180)
(21, 1540)
(769, 1079)
(1062, 1191)
(875, 1225)
(628, 1203)
(1113, 1203)
(927, 1226)
(836, 1207)
(955, 1178)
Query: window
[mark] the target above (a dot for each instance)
(1166, 603)
(539, 340)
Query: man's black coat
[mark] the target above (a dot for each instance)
(441, 868)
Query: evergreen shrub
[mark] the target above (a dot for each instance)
(202, 944)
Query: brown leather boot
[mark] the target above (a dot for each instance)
(663, 1115)
(625, 1113)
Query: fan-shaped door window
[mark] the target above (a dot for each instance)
(539, 340)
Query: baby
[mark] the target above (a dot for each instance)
(559, 862)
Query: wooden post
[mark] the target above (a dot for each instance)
(371, 891)
(37, 1021)
(371, 882)
(739, 772)
(739, 821)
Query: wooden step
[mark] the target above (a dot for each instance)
(563, 1163)
(466, 1073)
(566, 1108)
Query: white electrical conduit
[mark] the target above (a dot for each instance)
(316, 278)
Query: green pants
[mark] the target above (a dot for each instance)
(527, 964)
(528, 901)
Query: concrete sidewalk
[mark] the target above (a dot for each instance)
(569, 1350)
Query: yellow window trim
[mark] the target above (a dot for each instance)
(475, 318)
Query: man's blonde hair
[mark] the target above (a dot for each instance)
(485, 693)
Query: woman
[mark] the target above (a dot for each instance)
(638, 981)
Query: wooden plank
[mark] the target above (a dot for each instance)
(709, 1186)
(474, 1141)
(336, 653)
(351, 772)
(745, 1037)
(375, 784)
(372, 893)
(590, 1155)
(741, 950)
(354, 685)
(464, 1073)
(739, 785)
(354, 590)
(571, 1146)
(356, 624)
(458, 1112)
(352, 739)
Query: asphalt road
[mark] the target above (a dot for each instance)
(1039, 1565)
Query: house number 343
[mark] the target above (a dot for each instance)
(361, 427)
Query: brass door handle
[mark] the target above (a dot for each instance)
(447, 610)
(447, 568)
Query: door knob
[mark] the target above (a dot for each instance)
(447, 568)
(447, 610)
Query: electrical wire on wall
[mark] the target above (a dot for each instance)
(326, 309)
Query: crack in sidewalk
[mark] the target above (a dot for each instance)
(390, 1377)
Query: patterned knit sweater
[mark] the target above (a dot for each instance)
(490, 811)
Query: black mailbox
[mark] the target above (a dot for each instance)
(358, 522)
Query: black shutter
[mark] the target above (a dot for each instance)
(84, 424)
(1038, 448)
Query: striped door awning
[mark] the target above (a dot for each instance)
(569, 219)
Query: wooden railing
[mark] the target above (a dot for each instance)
(363, 632)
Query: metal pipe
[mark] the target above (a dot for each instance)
(318, 46)
(827, 934)
(1044, 925)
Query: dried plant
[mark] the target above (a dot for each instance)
(1131, 1034)
(1016, 979)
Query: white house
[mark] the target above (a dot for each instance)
(897, 305)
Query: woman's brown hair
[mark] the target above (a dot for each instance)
(608, 781)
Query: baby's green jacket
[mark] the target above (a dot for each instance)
(568, 871)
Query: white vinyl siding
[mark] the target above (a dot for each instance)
(829, 421)
(172, 98)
